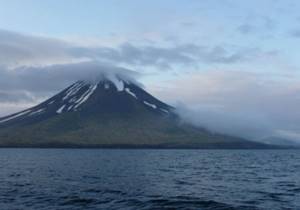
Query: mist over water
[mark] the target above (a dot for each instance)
(149, 179)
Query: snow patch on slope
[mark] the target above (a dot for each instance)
(130, 93)
(60, 110)
(164, 110)
(37, 112)
(15, 116)
(73, 90)
(86, 95)
(151, 105)
(72, 100)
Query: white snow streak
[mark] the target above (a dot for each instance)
(130, 93)
(86, 95)
(164, 110)
(72, 100)
(15, 116)
(151, 105)
(60, 110)
(73, 90)
(37, 112)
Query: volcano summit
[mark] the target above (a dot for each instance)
(112, 113)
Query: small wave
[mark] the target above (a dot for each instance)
(295, 190)
(180, 202)
(76, 200)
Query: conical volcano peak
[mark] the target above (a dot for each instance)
(109, 93)
(106, 111)
(117, 90)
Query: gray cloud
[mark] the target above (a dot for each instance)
(33, 84)
(255, 24)
(269, 23)
(246, 28)
(32, 68)
(15, 97)
(166, 57)
(295, 33)
(243, 104)
(18, 49)
(233, 123)
(23, 50)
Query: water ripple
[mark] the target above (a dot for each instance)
(149, 179)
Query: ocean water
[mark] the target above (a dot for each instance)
(149, 179)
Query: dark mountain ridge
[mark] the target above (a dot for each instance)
(111, 112)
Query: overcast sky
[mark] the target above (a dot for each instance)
(229, 65)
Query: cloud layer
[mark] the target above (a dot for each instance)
(237, 102)
(24, 50)
(33, 84)
(18, 50)
(33, 67)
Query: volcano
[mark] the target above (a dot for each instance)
(109, 113)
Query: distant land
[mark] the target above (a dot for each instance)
(111, 113)
(279, 141)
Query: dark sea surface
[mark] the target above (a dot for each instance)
(149, 179)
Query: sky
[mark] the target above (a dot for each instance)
(229, 65)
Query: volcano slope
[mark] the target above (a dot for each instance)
(110, 113)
